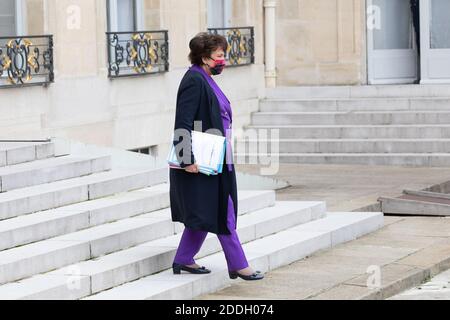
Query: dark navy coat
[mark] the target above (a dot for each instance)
(199, 201)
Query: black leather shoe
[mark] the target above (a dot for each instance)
(255, 276)
(178, 267)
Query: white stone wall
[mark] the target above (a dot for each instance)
(321, 42)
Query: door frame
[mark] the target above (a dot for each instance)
(372, 55)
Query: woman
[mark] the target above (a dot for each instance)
(205, 203)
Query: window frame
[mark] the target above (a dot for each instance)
(21, 18)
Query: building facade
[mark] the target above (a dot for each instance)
(106, 71)
(358, 42)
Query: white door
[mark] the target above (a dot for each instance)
(435, 41)
(392, 52)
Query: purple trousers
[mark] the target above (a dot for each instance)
(192, 240)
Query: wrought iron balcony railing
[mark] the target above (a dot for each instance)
(26, 60)
(137, 53)
(241, 45)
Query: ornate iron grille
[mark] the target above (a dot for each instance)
(26, 60)
(241, 45)
(137, 53)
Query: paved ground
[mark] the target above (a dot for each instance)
(350, 187)
(437, 288)
(401, 255)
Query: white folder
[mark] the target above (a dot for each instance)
(209, 152)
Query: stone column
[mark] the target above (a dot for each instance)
(270, 42)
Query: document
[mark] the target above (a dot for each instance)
(209, 152)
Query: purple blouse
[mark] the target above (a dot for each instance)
(225, 111)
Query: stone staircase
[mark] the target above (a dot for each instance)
(78, 227)
(378, 125)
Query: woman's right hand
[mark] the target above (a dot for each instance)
(193, 168)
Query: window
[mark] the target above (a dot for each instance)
(12, 18)
(151, 150)
(440, 24)
(396, 30)
(132, 50)
(7, 18)
(219, 13)
(125, 15)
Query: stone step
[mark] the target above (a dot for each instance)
(352, 131)
(413, 207)
(19, 152)
(367, 104)
(372, 91)
(436, 288)
(28, 260)
(264, 254)
(152, 257)
(50, 170)
(397, 159)
(351, 118)
(345, 145)
(51, 223)
(47, 224)
(60, 193)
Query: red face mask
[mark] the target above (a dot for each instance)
(218, 67)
